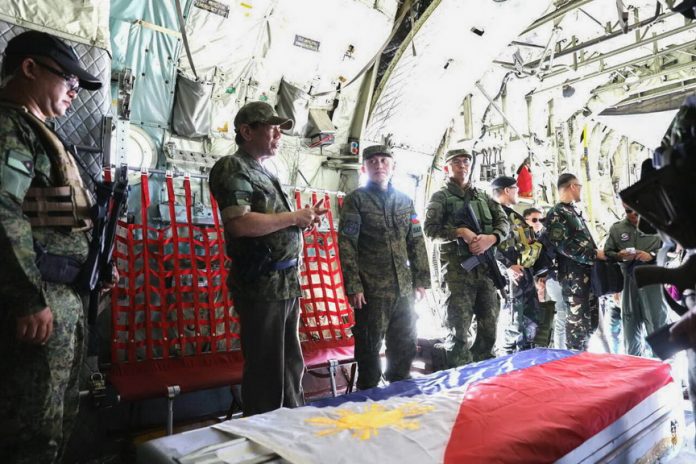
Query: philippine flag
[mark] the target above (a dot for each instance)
(533, 407)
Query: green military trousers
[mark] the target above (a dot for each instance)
(470, 294)
(39, 391)
(582, 305)
(523, 315)
(384, 319)
(273, 363)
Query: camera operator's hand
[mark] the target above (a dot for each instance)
(685, 328)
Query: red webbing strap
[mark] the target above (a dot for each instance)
(116, 294)
(222, 262)
(312, 266)
(325, 313)
(147, 310)
(345, 313)
(308, 301)
(200, 339)
(178, 287)
(164, 292)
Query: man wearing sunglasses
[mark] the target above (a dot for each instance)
(640, 307)
(42, 315)
(547, 282)
(576, 252)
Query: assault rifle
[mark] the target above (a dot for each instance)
(111, 202)
(465, 217)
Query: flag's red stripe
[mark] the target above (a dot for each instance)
(541, 413)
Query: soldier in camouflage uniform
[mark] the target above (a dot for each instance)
(384, 260)
(41, 321)
(468, 293)
(519, 253)
(639, 306)
(576, 251)
(264, 241)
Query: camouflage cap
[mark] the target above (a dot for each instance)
(502, 182)
(262, 112)
(457, 153)
(375, 150)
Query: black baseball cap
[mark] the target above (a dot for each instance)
(42, 44)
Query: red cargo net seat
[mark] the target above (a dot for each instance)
(174, 329)
(326, 316)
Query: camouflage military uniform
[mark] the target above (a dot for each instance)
(383, 256)
(265, 285)
(576, 252)
(639, 306)
(525, 311)
(39, 387)
(468, 293)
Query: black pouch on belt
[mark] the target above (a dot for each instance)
(55, 268)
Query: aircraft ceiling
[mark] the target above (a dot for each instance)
(546, 64)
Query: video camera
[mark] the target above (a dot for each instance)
(665, 197)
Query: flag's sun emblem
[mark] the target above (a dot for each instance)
(366, 423)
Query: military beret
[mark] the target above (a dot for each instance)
(262, 112)
(502, 182)
(457, 153)
(374, 150)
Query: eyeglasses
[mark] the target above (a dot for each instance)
(577, 184)
(71, 81)
(461, 162)
(536, 219)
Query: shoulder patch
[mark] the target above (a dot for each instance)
(625, 237)
(350, 225)
(350, 229)
(242, 198)
(20, 161)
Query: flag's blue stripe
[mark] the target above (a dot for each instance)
(451, 378)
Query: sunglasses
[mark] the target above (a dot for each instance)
(71, 81)
(536, 219)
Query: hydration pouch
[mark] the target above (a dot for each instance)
(55, 268)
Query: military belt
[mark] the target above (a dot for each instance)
(281, 265)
